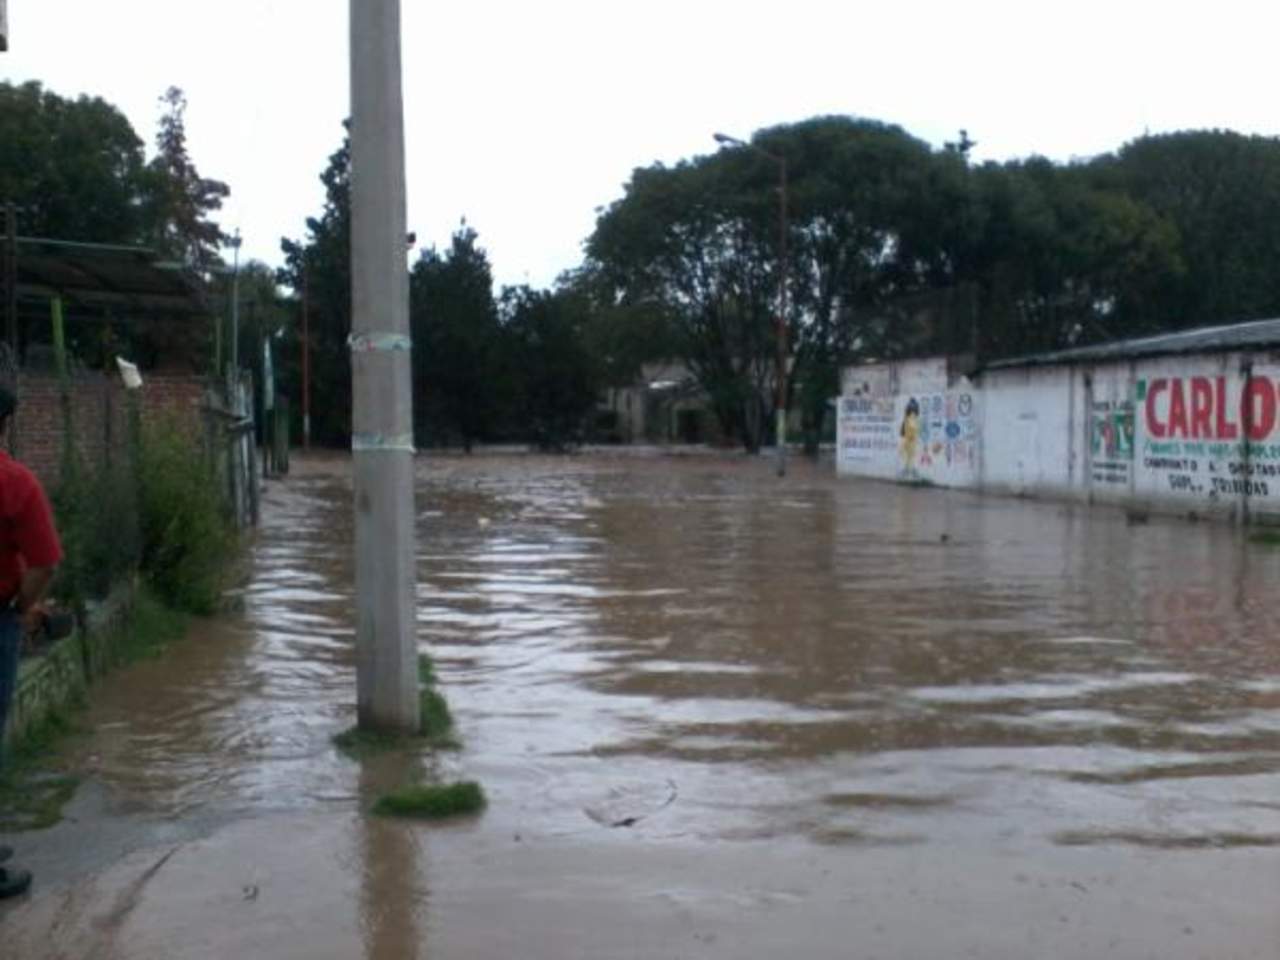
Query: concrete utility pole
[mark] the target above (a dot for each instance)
(382, 412)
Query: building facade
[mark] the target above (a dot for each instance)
(1183, 423)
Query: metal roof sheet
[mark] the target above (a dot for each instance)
(97, 276)
(1203, 339)
(1236, 336)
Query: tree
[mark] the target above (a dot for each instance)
(555, 375)
(319, 268)
(686, 242)
(182, 200)
(1062, 260)
(75, 168)
(458, 384)
(1219, 192)
(700, 244)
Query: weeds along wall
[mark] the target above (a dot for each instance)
(1195, 434)
(135, 484)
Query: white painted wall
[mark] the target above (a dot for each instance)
(1189, 434)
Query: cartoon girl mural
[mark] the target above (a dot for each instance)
(910, 434)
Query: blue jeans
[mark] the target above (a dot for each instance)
(10, 643)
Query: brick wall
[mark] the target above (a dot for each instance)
(98, 409)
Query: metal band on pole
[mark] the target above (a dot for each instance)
(378, 341)
(379, 442)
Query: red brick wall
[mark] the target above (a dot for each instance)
(97, 412)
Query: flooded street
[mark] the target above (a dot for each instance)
(717, 714)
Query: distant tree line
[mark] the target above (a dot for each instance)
(896, 248)
(893, 248)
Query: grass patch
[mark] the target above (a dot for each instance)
(148, 630)
(436, 721)
(435, 730)
(432, 801)
(32, 790)
(426, 671)
(357, 743)
(1268, 538)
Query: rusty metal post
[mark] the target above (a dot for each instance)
(781, 438)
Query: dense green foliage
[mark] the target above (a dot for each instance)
(76, 170)
(513, 367)
(186, 539)
(460, 392)
(318, 270)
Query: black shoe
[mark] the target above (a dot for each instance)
(14, 882)
(5, 853)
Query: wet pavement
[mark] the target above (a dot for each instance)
(716, 715)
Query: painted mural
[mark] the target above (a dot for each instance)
(937, 436)
(1111, 443)
(902, 421)
(1213, 437)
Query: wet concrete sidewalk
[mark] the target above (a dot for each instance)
(716, 716)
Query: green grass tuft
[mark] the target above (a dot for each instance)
(432, 801)
(426, 671)
(32, 790)
(150, 628)
(435, 718)
(1268, 538)
(361, 743)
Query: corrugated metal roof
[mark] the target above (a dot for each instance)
(97, 276)
(1236, 336)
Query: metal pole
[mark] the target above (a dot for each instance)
(306, 364)
(382, 413)
(235, 312)
(11, 279)
(11, 309)
(781, 438)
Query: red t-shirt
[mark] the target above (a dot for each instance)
(27, 534)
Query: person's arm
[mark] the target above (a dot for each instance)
(37, 540)
(35, 583)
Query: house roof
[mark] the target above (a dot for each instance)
(107, 278)
(1222, 339)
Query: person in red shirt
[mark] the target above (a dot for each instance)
(29, 555)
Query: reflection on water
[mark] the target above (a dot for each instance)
(841, 662)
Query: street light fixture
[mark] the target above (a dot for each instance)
(781, 436)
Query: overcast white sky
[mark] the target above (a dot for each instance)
(527, 115)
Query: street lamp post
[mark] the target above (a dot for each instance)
(780, 438)
(306, 363)
(235, 309)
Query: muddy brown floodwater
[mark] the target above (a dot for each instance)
(717, 715)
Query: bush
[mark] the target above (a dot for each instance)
(96, 510)
(187, 538)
